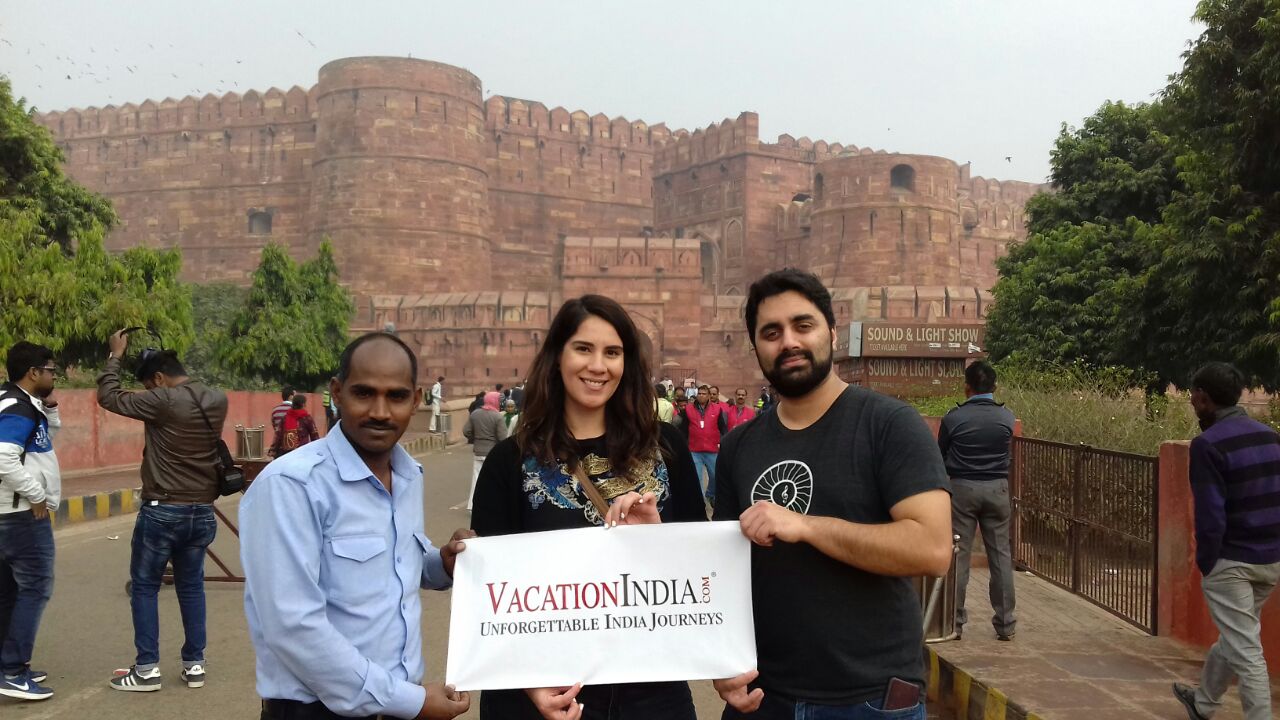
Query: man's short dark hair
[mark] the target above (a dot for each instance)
(1222, 382)
(23, 356)
(153, 361)
(344, 363)
(660, 389)
(704, 387)
(980, 377)
(789, 279)
(287, 393)
(440, 379)
(498, 387)
(298, 401)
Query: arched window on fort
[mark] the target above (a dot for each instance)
(710, 271)
(733, 241)
(817, 188)
(903, 177)
(259, 222)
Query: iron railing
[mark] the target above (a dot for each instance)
(1085, 519)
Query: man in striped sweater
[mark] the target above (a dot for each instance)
(1235, 480)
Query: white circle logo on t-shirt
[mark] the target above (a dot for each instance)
(788, 484)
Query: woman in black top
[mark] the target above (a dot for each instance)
(588, 403)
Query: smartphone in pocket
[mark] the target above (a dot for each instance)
(900, 694)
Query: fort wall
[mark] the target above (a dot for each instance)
(464, 222)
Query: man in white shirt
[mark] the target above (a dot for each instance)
(437, 398)
(30, 488)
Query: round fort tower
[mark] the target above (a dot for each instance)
(886, 219)
(398, 177)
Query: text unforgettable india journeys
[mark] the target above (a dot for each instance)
(631, 604)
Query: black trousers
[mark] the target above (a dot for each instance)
(297, 710)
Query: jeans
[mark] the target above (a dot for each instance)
(1235, 592)
(984, 503)
(776, 707)
(26, 584)
(177, 534)
(706, 461)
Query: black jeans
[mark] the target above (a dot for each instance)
(297, 710)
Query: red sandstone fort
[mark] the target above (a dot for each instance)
(464, 222)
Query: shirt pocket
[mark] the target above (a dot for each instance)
(359, 575)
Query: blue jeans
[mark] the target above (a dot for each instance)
(776, 707)
(163, 534)
(26, 584)
(707, 461)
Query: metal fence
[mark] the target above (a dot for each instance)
(1085, 519)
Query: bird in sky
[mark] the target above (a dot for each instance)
(1008, 158)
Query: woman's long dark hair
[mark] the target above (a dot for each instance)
(631, 423)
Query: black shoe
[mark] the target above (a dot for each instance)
(1187, 696)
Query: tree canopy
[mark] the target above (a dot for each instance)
(58, 284)
(32, 183)
(1160, 249)
(293, 324)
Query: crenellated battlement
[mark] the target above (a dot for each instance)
(980, 189)
(189, 113)
(717, 140)
(529, 117)
(805, 150)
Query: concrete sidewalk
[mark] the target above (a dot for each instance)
(1070, 660)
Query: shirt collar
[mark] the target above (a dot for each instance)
(352, 468)
(982, 396)
(34, 400)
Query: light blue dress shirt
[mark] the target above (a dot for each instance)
(332, 565)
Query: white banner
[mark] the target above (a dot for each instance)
(640, 603)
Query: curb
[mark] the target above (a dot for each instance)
(967, 698)
(96, 506)
(426, 443)
(124, 502)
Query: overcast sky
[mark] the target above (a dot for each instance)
(972, 80)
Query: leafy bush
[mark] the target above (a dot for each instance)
(1099, 407)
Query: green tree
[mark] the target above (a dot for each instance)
(58, 284)
(72, 303)
(293, 325)
(1066, 294)
(1214, 289)
(33, 185)
(212, 307)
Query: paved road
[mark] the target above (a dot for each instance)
(87, 631)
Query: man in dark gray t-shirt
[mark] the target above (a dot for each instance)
(844, 495)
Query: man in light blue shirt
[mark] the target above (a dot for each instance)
(334, 553)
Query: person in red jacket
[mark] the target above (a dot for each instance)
(739, 412)
(704, 425)
(296, 429)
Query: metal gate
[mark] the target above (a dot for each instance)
(1085, 519)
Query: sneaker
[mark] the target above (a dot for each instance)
(1187, 696)
(22, 687)
(134, 681)
(193, 676)
(38, 675)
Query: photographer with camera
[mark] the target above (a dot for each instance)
(180, 480)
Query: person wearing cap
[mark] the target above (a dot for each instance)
(175, 524)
